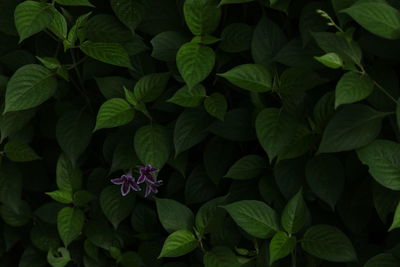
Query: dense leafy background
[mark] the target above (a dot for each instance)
(274, 123)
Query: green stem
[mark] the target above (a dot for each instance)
(383, 90)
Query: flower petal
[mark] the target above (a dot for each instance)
(141, 179)
(125, 188)
(135, 187)
(119, 180)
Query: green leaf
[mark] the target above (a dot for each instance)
(186, 97)
(352, 127)
(199, 187)
(190, 129)
(255, 217)
(60, 260)
(12, 122)
(30, 86)
(330, 60)
(236, 37)
(58, 26)
(115, 206)
(150, 87)
(195, 62)
(220, 257)
(167, 44)
(178, 244)
(173, 215)
(20, 152)
(201, 16)
(153, 145)
(68, 177)
(298, 80)
(281, 245)
(74, 3)
(70, 223)
(328, 243)
(74, 131)
(248, 167)
(216, 105)
(275, 129)
(382, 260)
(111, 53)
(396, 219)
(252, 77)
(32, 17)
(353, 87)
(348, 50)
(112, 86)
(113, 113)
(326, 178)
(61, 196)
(377, 17)
(16, 214)
(268, 39)
(383, 159)
(130, 12)
(208, 215)
(295, 214)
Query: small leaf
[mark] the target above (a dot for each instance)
(167, 44)
(352, 127)
(255, 217)
(208, 215)
(281, 245)
(115, 206)
(201, 16)
(326, 178)
(30, 86)
(377, 17)
(150, 87)
(250, 77)
(383, 159)
(330, 60)
(70, 223)
(328, 243)
(275, 130)
(16, 214)
(178, 244)
(32, 17)
(236, 37)
(248, 167)
(216, 105)
(130, 12)
(153, 145)
(20, 152)
(173, 215)
(352, 87)
(61, 260)
(195, 62)
(220, 257)
(190, 129)
(113, 113)
(58, 26)
(396, 219)
(186, 97)
(111, 53)
(68, 177)
(61, 196)
(295, 214)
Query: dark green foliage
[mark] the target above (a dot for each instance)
(245, 133)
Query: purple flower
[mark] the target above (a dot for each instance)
(152, 188)
(127, 183)
(146, 174)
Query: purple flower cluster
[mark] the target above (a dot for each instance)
(147, 176)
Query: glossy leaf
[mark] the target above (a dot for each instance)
(114, 112)
(178, 244)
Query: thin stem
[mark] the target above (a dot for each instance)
(293, 256)
(383, 90)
